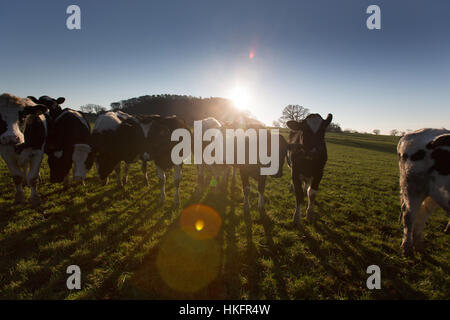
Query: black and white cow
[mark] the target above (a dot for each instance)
(159, 148)
(23, 131)
(247, 170)
(67, 142)
(424, 161)
(117, 137)
(307, 157)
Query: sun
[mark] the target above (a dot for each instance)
(240, 98)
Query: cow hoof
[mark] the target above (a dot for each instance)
(407, 249)
(296, 220)
(419, 245)
(310, 217)
(296, 224)
(66, 185)
(246, 208)
(35, 201)
(19, 198)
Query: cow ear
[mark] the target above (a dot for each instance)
(33, 99)
(37, 109)
(60, 100)
(327, 121)
(294, 125)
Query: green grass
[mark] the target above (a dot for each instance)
(128, 247)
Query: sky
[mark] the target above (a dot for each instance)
(318, 54)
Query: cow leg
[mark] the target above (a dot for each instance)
(144, 171)
(176, 183)
(66, 182)
(426, 209)
(410, 207)
(16, 173)
(32, 178)
(18, 182)
(117, 170)
(103, 181)
(25, 169)
(125, 173)
(246, 189)
(440, 193)
(299, 197)
(447, 229)
(311, 198)
(261, 187)
(162, 184)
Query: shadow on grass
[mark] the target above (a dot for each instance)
(50, 278)
(148, 281)
(355, 259)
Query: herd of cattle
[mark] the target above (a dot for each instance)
(30, 127)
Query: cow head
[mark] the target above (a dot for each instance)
(13, 114)
(308, 136)
(52, 104)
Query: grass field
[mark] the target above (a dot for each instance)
(128, 247)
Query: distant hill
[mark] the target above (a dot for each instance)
(188, 107)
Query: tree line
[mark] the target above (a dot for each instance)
(194, 108)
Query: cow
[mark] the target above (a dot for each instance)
(424, 163)
(249, 170)
(159, 148)
(117, 137)
(219, 172)
(23, 132)
(307, 156)
(67, 142)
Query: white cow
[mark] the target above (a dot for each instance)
(424, 161)
(23, 132)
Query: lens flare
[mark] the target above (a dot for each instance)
(199, 225)
(186, 264)
(200, 222)
(189, 257)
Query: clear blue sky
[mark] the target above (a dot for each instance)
(314, 53)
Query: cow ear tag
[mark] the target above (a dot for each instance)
(213, 182)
